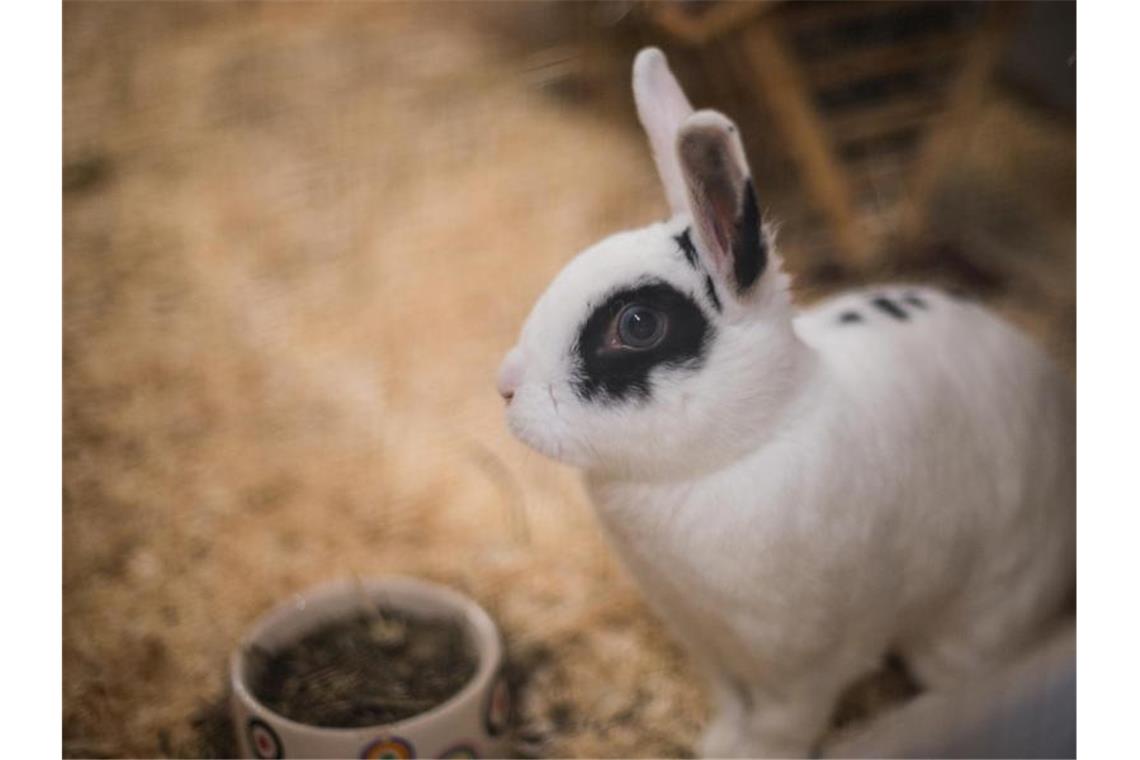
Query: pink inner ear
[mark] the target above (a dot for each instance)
(722, 241)
(712, 223)
(724, 214)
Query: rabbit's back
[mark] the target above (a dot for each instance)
(946, 382)
(977, 425)
(919, 346)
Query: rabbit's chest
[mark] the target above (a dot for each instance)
(706, 574)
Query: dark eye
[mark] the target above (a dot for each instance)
(640, 326)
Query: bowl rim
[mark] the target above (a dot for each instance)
(478, 624)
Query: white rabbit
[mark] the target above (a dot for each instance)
(797, 493)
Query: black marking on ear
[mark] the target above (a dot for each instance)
(915, 301)
(710, 290)
(685, 240)
(614, 374)
(887, 306)
(850, 317)
(749, 247)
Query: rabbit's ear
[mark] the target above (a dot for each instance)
(662, 108)
(722, 201)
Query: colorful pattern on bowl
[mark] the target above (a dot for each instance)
(472, 723)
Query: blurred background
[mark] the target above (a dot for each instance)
(298, 239)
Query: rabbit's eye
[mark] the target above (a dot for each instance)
(637, 332)
(640, 327)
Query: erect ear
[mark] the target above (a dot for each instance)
(722, 202)
(662, 108)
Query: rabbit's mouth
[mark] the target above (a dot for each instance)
(536, 418)
(537, 439)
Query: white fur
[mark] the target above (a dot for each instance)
(816, 494)
(661, 105)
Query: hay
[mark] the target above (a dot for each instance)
(289, 278)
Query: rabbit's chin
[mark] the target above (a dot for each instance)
(548, 442)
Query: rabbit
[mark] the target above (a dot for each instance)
(796, 493)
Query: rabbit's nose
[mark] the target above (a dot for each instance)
(510, 374)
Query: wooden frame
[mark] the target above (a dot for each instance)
(758, 39)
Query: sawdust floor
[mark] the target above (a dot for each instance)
(297, 241)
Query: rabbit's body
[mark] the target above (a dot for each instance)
(918, 500)
(797, 494)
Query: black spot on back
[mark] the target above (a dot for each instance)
(685, 241)
(887, 306)
(915, 301)
(749, 248)
(850, 317)
(616, 374)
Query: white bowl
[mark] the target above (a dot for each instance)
(472, 723)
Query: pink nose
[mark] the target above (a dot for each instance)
(510, 374)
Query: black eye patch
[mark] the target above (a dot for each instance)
(617, 374)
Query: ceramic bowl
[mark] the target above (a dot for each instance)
(472, 723)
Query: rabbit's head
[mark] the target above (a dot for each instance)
(667, 349)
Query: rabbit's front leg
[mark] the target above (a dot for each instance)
(785, 719)
(728, 719)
